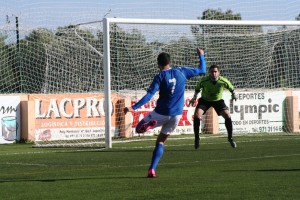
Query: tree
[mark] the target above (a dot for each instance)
(33, 59)
(227, 46)
(132, 59)
(211, 14)
(8, 75)
(74, 61)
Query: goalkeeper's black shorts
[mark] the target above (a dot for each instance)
(219, 106)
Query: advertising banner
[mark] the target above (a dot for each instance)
(70, 116)
(185, 125)
(10, 119)
(255, 112)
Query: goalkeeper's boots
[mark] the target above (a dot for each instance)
(232, 142)
(151, 173)
(197, 141)
(148, 125)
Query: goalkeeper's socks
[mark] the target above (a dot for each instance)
(196, 125)
(157, 154)
(228, 125)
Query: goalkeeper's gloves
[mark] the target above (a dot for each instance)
(233, 96)
(192, 101)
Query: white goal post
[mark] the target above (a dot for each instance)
(224, 24)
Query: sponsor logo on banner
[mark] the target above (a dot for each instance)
(185, 125)
(70, 116)
(10, 119)
(255, 112)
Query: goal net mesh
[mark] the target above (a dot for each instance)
(250, 56)
(255, 58)
(70, 59)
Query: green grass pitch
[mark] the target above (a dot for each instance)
(263, 166)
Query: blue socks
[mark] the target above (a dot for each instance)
(157, 154)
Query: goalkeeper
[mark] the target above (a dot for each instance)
(212, 87)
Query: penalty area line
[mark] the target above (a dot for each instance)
(255, 157)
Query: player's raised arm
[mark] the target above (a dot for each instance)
(202, 63)
(200, 51)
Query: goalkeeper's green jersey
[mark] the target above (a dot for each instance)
(213, 90)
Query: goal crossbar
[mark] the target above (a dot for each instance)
(201, 22)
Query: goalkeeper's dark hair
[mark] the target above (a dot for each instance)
(163, 59)
(213, 67)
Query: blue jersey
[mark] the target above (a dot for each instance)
(171, 85)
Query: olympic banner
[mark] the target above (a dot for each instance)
(10, 119)
(255, 112)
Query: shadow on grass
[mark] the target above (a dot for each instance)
(66, 179)
(265, 170)
(277, 170)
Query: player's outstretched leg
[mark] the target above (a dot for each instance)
(143, 126)
(228, 125)
(196, 127)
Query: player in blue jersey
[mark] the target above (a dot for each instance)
(171, 85)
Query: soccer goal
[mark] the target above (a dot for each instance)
(256, 56)
(116, 59)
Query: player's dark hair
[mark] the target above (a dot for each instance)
(213, 67)
(163, 59)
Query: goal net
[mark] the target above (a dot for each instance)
(256, 56)
(112, 63)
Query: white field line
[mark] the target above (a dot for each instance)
(255, 157)
(176, 163)
(25, 164)
(192, 137)
(152, 146)
(224, 160)
(146, 165)
(210, 143)
(54, 151)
